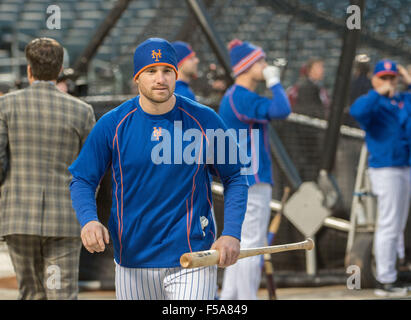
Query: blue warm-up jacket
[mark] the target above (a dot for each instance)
(159, 199)
(383, 120)
(243, 109)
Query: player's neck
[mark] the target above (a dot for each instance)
(152, 107)
(246, 82)
(184, 77)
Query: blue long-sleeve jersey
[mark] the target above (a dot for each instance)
(406, 117)
(159, 197)
(183, 89)
(241, 108)
(383, 118)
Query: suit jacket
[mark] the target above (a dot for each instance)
(41, 133)
(311, 100)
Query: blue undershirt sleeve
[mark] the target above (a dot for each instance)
(362, 108)
(89, 168)
(83, 200)
(234, 182)
(254, 108)
(279, 107)
(235, 204)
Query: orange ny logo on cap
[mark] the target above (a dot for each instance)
(156, 55)
(157, 132)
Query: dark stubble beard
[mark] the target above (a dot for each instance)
(148, 94)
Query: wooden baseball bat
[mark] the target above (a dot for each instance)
(275, 222)
(211, 257)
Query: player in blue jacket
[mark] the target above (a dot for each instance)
(243, 109)
(161, 187)
(382, 114)
(187, 63)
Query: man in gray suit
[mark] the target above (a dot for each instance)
(41, 133)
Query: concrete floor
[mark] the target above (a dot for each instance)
(8, 289)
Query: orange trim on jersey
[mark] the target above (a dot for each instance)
(211, 208)
(208, 199)
(205, 136)
(194, 177)
(218, 173)
(120, 218)
(156, 64)
(192, 198)
(122, 192)
(188, 227)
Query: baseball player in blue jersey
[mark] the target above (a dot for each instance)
(382, 114)
(161, 199)
(243, 109)
(187, 63)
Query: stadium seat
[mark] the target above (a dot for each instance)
(54, 34)
(28, 27)
(28, 16)
(9, 8)
(106, 52)
(91, 15)
(138, 5)
(36, 7)
(83, 6)
(88, 24)
(7, 19)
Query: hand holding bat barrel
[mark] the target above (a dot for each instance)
(212, 257)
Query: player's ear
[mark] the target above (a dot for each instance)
(29, 74)
(30, 77)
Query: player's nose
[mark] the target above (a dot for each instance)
(160, 77)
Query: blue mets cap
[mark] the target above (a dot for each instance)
(385, 67)
(152, 52)
(183, 50)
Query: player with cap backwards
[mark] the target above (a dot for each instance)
(161, 209)
(242, 108)
(187, 63)
(382, 114)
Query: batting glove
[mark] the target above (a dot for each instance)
(271, 75)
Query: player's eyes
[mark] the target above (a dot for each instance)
(153, 70)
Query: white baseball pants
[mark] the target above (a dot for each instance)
(392, 187)
(166, 283)
(242, 280)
